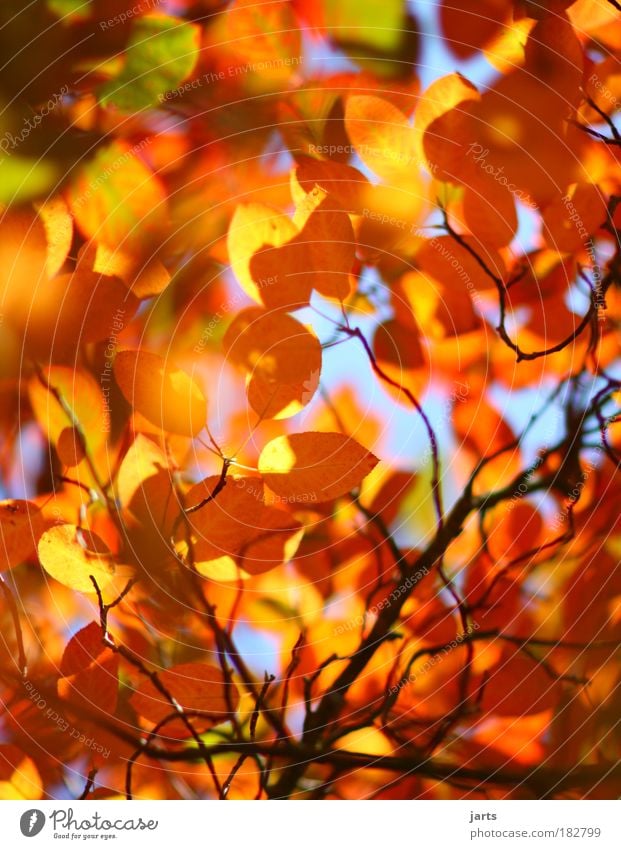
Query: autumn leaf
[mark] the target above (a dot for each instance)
(19, 777)
(197, 688)
(70, 448)
(143, 277)
(66, 396)
(144, 483)
(363, 22)
(58, 224)
(381, 135)
(281, 357)
(285, 260)
(237, 530)
(72, 556)
(21, 524)
(161, 53)
(518, 686)
(314, 466)
(165, 395)
(89, 671)
(116, 199)
(287, 209)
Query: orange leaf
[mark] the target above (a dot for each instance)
(58, 225)
(165, 395)
(70, 447)
(255, 226)
(117, 200)
(195, 687)
(490, 214)
(144, 485)
(281, 356)
(143, 276)
(314, 466)
(238, 525)
(344, 184)
(518, 686)
(398, 346)
(449, 263)
(447, 94)
(89, 671)
(569, 221)
(81, 396)
(23, 263)
(21, 524)
(469, 26)
(19, 777)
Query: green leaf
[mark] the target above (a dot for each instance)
(366, 22)
(161, 53)
(23, 178)
(70, 8)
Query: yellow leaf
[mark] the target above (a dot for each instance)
(71, 556)
(19, 777)
(254, 226)
(82, 402)
(381, 135)
(58, 225)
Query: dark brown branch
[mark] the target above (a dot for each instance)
(221, 483)
(355, 332)
(136, 662)
(90, 783)
(259, 704)
(502, 289)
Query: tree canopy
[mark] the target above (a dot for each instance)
(309, 394)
